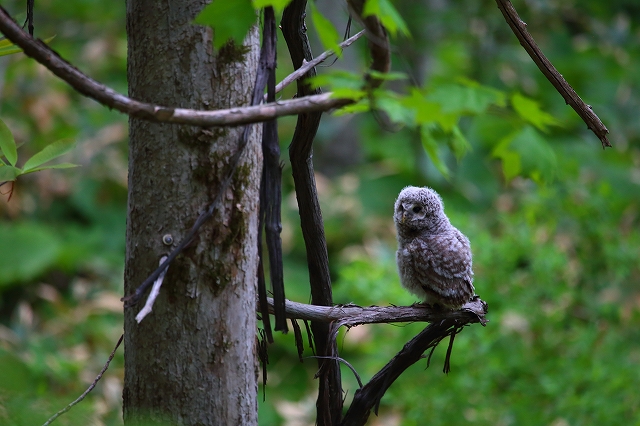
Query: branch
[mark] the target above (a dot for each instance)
(307, 66)
(89, 389)
(570, 96)
(471, 312)
(368, 397)
(379, 45)
(85, 85)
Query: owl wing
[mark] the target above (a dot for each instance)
(442, 266)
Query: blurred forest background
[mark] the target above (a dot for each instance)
(552, 218)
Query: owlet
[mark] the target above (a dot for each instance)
(433, 257)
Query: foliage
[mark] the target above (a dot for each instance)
(553, 220)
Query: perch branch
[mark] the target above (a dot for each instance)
(85, 85)
(352, 315)
(570, 96)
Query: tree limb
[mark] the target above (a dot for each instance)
(473, 311)
(570, 96)
(85, 85)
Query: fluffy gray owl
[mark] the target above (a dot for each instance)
(434, 258)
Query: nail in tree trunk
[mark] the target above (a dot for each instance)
(192, 361)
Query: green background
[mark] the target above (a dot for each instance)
(553, 223)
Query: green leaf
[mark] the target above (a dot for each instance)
(526, 152)
(395, 108)
(511, 165)
(9, 173)
(530, 111)
(8, 144)
(229, 20)
(278, 5)
(53, 166)
(51, 151)
(538, 158)
(355, 108)
(388, 76)
(388, 15)
(459, 143)
(459, 99)
(431, 147)
(327, 33)
(8, 48)
(26, 251)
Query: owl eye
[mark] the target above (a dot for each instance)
(416, 209)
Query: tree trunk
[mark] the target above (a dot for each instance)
(192, 361)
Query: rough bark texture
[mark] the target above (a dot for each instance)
(192, 361)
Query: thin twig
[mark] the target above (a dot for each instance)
(85, 85)
(570, 96)
(306, 66)
(345, 362)
(89, 389)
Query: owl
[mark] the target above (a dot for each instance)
(433, 257)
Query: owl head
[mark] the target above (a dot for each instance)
(419, 209)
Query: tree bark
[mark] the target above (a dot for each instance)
(192, 361)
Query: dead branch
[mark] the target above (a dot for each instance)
(306, 66)
(85, 85)
(570, 96)
(473, 311)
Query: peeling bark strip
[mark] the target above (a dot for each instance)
(329, 402)
(271, 187)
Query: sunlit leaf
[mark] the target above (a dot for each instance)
(8, 144)
(230, 20)
(387, 14)
(278, 5)
(347, 93)
(53, 166)
(530, 111)
(9, 173)
(8, 48)
(388, 76)
(430, 145)
(51, 151)
(395, 108)
(355, 108)
(327, 33)
(457, 98)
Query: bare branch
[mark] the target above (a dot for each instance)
(85, 85)
(352, 315)
(306, 66)
(570, 96)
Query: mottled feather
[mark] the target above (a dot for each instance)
(434, 258)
